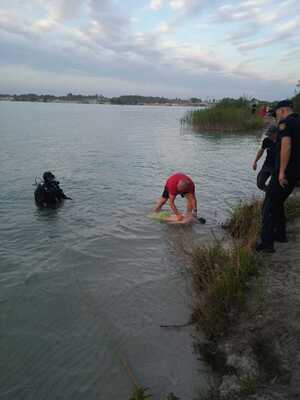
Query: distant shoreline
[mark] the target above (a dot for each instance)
(101, 100)
(107, 104)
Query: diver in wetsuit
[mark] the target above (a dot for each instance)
(48, 193)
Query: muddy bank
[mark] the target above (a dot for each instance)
(260, 357)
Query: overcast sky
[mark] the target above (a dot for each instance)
(205, 48)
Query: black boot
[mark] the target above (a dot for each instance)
(264, 248)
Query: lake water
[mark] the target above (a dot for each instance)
(85, 288)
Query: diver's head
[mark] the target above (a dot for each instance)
(183, 185)
(48, 177)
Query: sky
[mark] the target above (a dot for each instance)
(173, 48)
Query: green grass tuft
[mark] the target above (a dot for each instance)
(219, 278)
(248, 385)
(267, 357)
(140, 393)
(292, 208)
(245, 222)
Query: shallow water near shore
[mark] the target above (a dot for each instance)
(88, 285)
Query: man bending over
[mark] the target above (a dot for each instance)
(183, 185)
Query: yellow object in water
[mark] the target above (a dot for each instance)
(161, 216)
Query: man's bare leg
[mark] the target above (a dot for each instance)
(160, 203)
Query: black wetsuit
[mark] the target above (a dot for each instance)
(49, 194)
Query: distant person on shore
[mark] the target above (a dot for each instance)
(48, 193)
(253, 109)
(262, 112)
(284, 179)
(268, 145)
(179, 184)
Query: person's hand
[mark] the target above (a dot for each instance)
(282, 180)
(179, 217)
(254, 166)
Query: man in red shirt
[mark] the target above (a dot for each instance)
(183, 185)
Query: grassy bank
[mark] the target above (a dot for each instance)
(227, 115)
(221, 276)
(220, 272)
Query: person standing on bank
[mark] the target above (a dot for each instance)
(284, 179)
(268, 144)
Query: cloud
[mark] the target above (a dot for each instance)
(186, 7)
(97, 40)
(164, 27)
(256, 12)
(156, 5)
(62, 10)
(279, 35)
(14, 24)
(44, 25)
(114, 22)
(177, 4)
(259, 23)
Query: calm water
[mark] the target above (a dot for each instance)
(88, 285)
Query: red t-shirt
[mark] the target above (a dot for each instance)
(172, 183)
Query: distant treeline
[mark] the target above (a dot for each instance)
(140, 100)
(296, 101)
(51, 98)
(136, 99)
(121, 100)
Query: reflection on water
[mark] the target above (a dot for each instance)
(92, 281)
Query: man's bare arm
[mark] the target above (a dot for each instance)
(191, 203)
(257, 158)
(173, 207)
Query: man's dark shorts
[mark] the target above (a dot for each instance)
(166, 195)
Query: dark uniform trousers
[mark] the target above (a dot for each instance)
(273, 214)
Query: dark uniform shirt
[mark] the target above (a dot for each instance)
(290, 127)
(270, 147)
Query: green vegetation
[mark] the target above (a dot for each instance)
(292, 208)
(136, 100)
(69, 98)
(212, 394)
(267, 357)
(296, 102)
(219, 278)
(140, 393)
(245, 220)
(248, 385)
(228, 115)
(99, 99)
(141, 100)
(244, 223)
